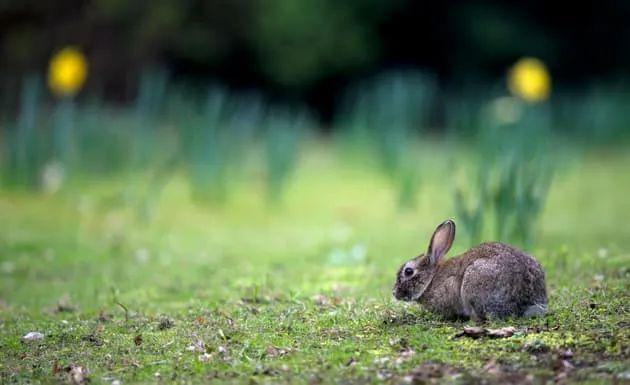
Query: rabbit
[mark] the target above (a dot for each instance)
(491, 280)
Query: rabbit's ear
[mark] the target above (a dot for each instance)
(441, 241)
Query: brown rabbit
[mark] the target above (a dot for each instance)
(489, 280)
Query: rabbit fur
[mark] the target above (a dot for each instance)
(491, 280)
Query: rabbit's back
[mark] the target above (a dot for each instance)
(500, 280)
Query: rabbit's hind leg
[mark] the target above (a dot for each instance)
(485, 291)
(480, 308)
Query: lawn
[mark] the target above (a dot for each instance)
(301, 292)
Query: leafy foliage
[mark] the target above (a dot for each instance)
(296, 49)
(389, 114)
(22, 149)
(284, 130)
(512, 178)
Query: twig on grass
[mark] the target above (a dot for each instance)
(117, 302)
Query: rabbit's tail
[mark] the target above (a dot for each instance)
(535, 310)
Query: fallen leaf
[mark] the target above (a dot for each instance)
(501, 332)
(478, 332)
(471, 331)
(33, 336)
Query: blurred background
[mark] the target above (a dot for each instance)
(169, 142)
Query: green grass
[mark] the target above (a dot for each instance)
(278, 295)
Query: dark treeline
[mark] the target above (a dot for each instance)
(309, 50)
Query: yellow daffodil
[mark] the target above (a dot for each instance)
(529, 80)
(67, 72)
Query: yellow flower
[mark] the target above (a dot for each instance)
(529, 79)
(67, 72)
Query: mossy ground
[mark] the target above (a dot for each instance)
(300, 293)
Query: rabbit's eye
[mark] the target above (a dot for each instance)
(408, 272)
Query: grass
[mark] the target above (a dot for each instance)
(301, 293)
